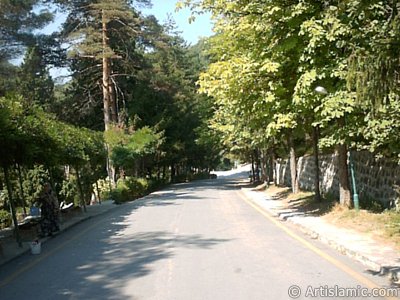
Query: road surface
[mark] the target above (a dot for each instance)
(192, 241)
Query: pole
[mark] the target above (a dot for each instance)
(356, 201)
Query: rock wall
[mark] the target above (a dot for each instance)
(375, 179)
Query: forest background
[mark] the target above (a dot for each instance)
(279, 79)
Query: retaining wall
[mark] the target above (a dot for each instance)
(375, 179)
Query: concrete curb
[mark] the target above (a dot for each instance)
(389, 266)
(368, 262)
(64, 227)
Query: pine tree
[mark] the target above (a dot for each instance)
(35, 82)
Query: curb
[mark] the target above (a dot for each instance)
(337, 246)
(45, 239)
(393, 272)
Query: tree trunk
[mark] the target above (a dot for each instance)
(264, 166)
(80, 189)
(173, 171)
(257, 162)
(315, 138)
(21, 188)
(109, 108)
(344, 186)
(112, 97)
(98, 192)
(253, 175)
(293, 166)
(106, 75)
(12, 205)
(273, 172)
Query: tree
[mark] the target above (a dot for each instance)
(373, 73)
(17, 22)
(270, 56)
(35, 83)
(91, 28)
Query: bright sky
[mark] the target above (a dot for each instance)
(201, 27)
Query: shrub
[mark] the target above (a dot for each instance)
(68, 191)
(33, 184)
(104, 188)
(371, 205)
(5, 219)
(133, 188)
(201, 176)
(155, 184)
(137, 186)
(121, 193)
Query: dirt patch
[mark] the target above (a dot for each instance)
(383, 227)
(302, 201)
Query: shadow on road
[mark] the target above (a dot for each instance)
(100, 264)
(119, 257)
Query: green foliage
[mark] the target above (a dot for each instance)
(269, 56)
(121, 193)
(128, 148)
(17, 22)
(33, 184)
(382, 129)
(104, 188)
(5, 219)
(69, 191)
(132, 188)
(118, 16)
(371, 205)
(34, 82)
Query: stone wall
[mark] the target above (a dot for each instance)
(375, 179)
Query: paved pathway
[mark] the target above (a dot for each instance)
(379, 258)
(9, 249)
(198, 241)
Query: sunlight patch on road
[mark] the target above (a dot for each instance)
(360, 278)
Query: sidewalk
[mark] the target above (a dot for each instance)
(9, 248)
(378, 258)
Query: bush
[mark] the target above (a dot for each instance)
(33, 184)
(68, 192)
(5, 219)
(133, 188)
(137, 186)
(121, 193)
(104, 188)
(181, 178)
(155, 184)
(201, 176)
(371, 205)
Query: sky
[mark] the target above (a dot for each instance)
(201, 27)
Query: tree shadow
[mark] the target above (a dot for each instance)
(307, 205)
(118, 259)
(99, 265)
(390, 272)
(282, 195)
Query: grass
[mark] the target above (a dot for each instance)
(381, 226)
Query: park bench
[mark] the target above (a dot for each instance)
(65, 208)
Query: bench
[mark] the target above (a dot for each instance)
(64, 208)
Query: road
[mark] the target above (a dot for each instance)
(199, 240)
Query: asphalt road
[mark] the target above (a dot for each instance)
(192, 241)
